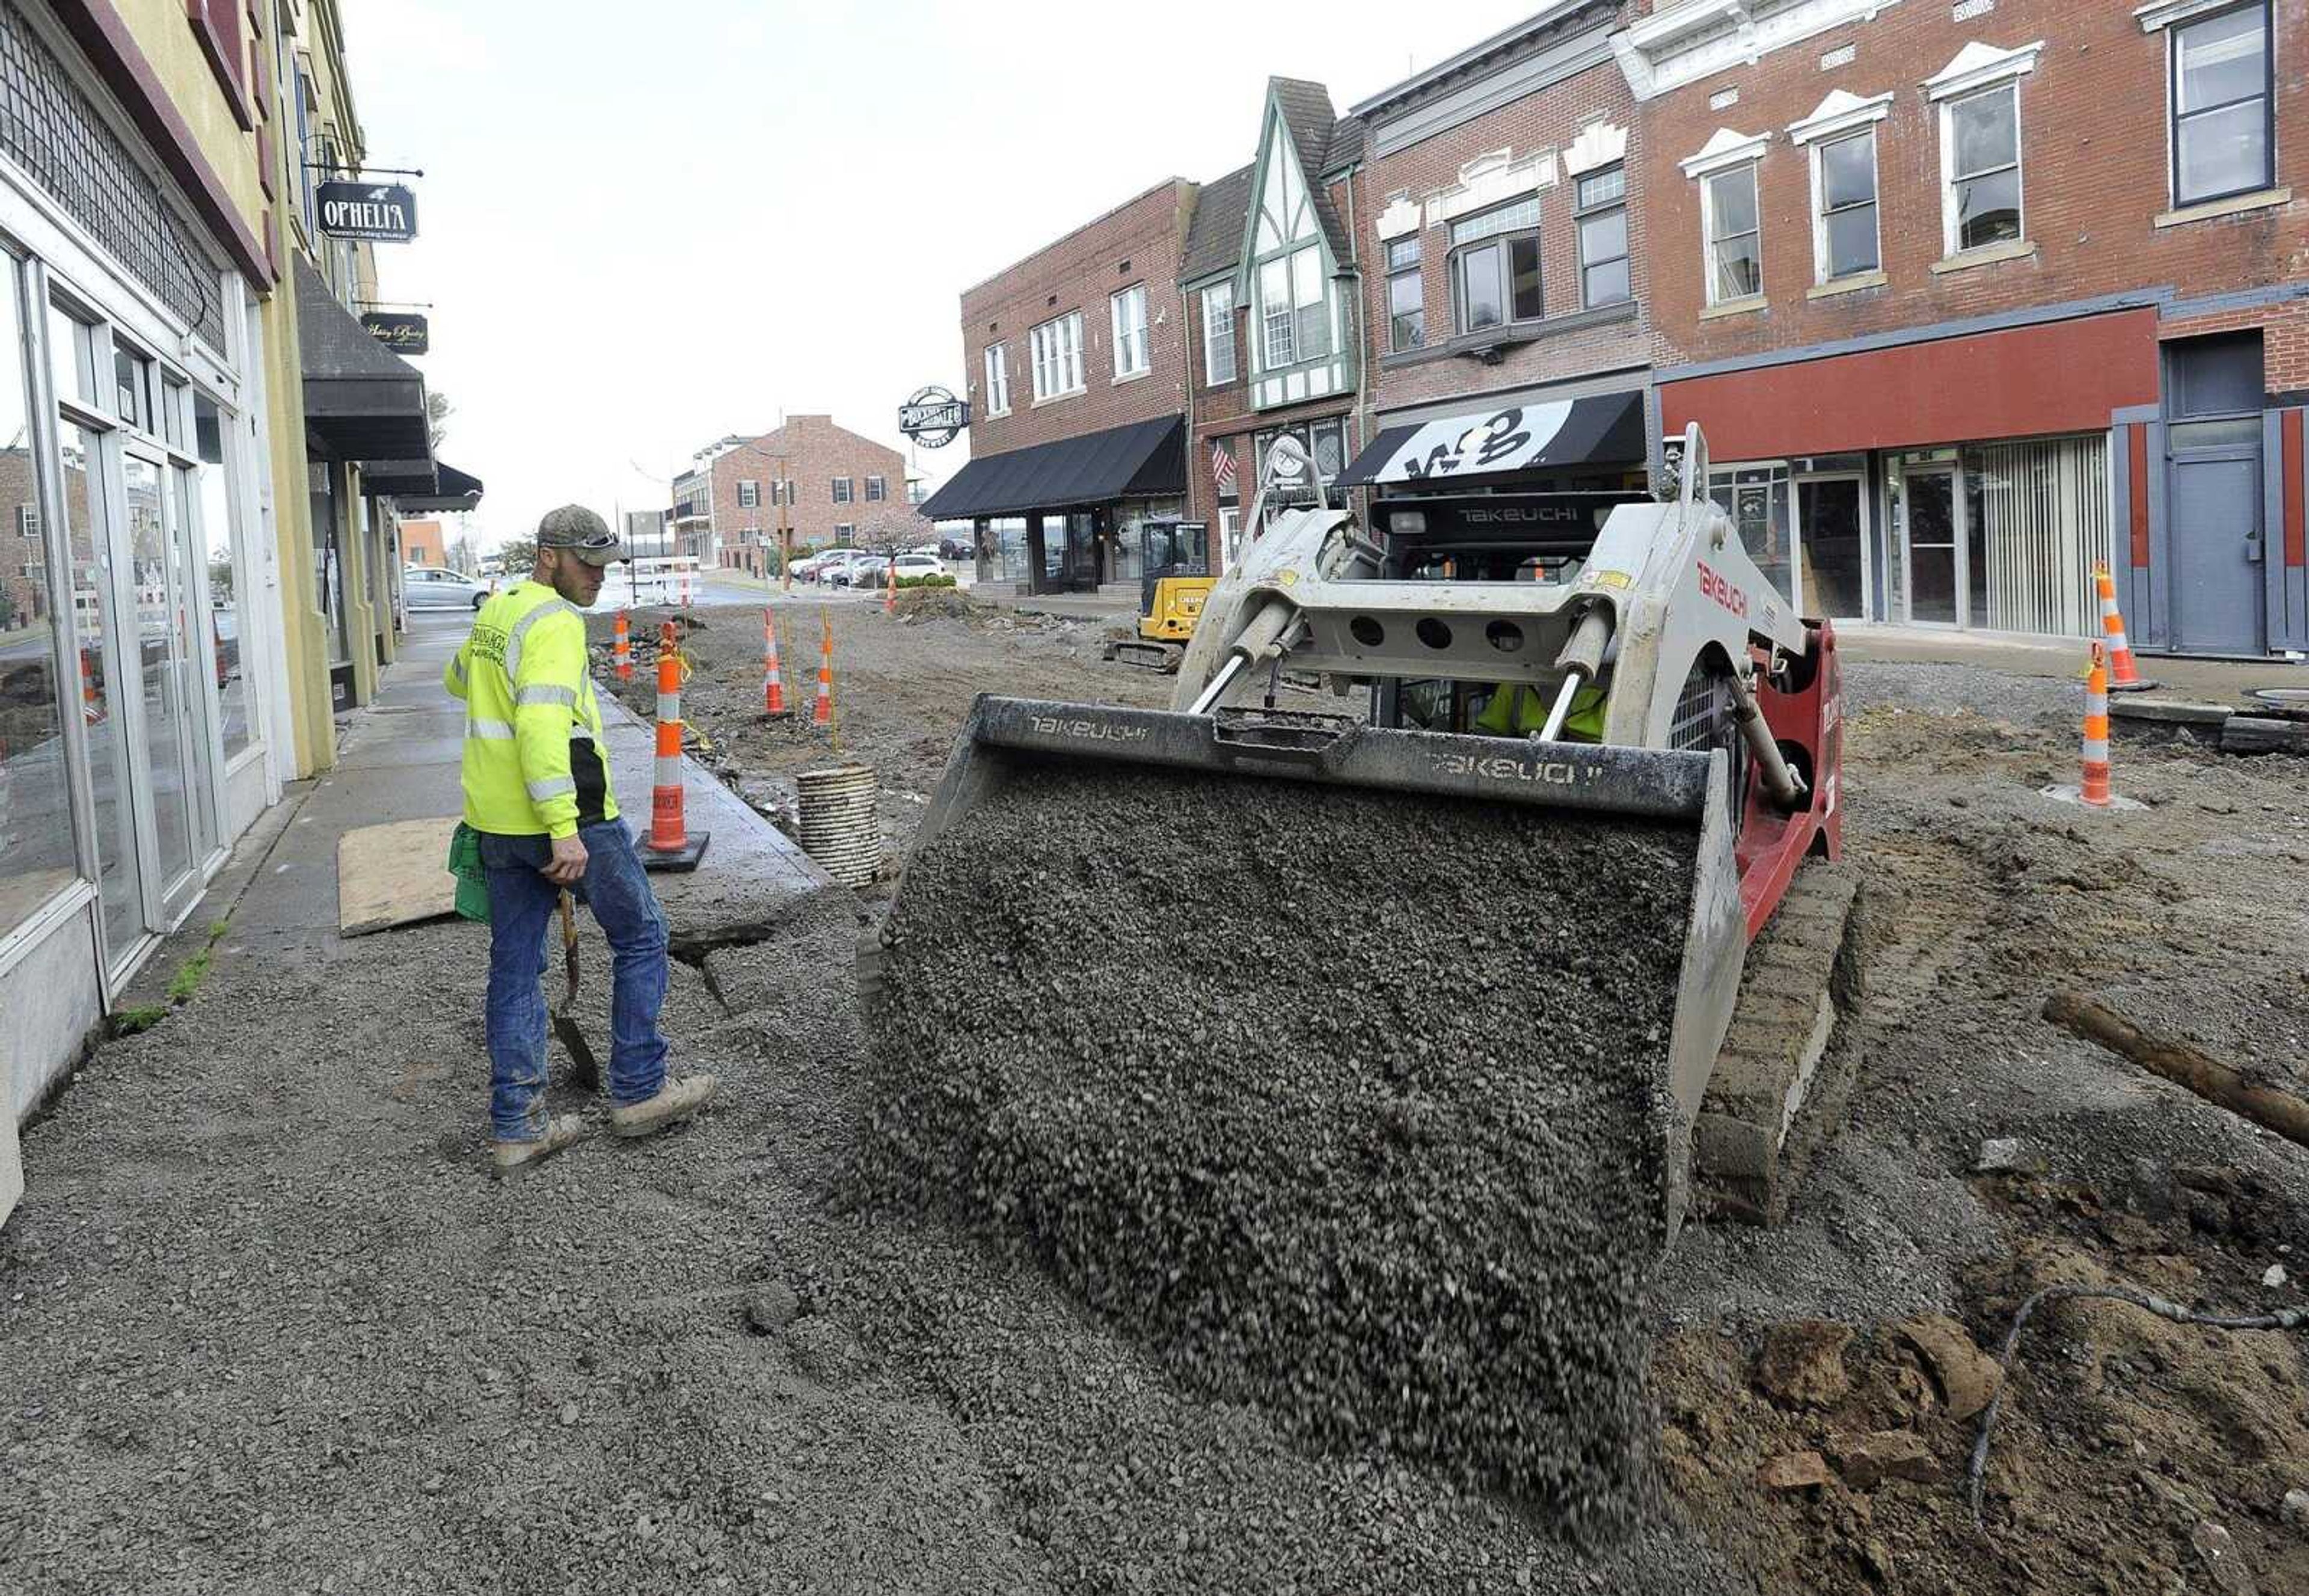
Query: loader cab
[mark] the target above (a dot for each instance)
(1503, 537)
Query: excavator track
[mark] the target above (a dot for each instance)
(1785, 1068)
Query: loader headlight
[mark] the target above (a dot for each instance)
(1409, 523)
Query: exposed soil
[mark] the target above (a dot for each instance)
(267, 1328)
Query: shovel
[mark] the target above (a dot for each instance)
(585, 1074)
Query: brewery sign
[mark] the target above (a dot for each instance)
(375, 212)
(403, 332)
(933, 418)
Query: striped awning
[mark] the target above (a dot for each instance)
(1602, 429)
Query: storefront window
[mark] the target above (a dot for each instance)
(81, 452)
(1008, 533)
(36, 824)
(2037, 519)
(224, 628)
(71, 362)
(1756, 498)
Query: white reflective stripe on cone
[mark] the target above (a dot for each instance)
(2097, 750)
(668, 770)
(669, 706)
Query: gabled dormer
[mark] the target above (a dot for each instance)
(1301, 329)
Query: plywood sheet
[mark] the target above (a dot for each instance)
(395, 874)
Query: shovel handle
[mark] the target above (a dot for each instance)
(568, 920)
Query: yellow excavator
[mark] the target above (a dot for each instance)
(1174, 567)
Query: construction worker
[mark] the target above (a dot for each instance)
(1517, 709)
(537, 791)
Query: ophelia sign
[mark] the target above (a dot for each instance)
(375, 212)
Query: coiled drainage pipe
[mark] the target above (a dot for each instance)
(839, 827)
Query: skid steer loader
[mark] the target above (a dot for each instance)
(1392, 1257)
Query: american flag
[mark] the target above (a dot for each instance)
(1223, 467)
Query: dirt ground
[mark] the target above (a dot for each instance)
(267, 1328)
(2126, 1434)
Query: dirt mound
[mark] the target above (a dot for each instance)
(1410, 1205)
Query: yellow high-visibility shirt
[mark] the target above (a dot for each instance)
(1516, 710)
(528, 699)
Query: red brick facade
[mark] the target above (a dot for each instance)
(1136, 243)
(815, 456)
(2094, 177)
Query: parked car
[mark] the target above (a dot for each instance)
(862, 567)
(956, 545)
(430, 587)
(823, 566)
(807, 567)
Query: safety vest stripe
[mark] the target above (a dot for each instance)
(500, 731)
(551, 787)
(457, 666)
(521, 627)
(547, 695)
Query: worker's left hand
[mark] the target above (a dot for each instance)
(568, 862)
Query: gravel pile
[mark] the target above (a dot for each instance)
(1405, 1204)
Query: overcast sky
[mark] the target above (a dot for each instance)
(643, 228)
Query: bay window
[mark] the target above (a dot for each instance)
(1292, 312)
(1495, 266)
(2221, 105)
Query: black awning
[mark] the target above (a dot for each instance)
(393, 479)
(1602, 429)
(1142, 458)
(453, 489)
(362, 401)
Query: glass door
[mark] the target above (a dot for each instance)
(1932, 515)
(155, 562)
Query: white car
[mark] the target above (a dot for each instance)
(430, 587)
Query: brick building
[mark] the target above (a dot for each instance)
(1968, 297)
(424, 542)
(1275, 345)
(1077, 386)
(823, 484)
(1501, 212)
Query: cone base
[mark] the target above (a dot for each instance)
(2073, 795)
(2142, 686)
(683, 858)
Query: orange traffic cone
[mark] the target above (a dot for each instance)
(2095, 789)
(622, 649)
(774, 687)
(670, 847)
(2125, 676)
(890, 590)
(821, 714)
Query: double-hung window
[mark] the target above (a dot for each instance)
(749, 495)
(1603, 219)
(1218, 334)
(1128, 310)
(1292, 314)
(1844, 175)
(841, 490)
(1735, 253)
(2220, 101)
(1983, 168)
(1495, 266)
(1057, 349)
(877, 487)
(998, 379)
(1406, 295)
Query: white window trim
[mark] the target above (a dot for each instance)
(2009, 84)
(1724, 149)
(1840, 113)
(997, 364)
(1821, 259)
(1979, 66)
(1708, 237)
(1114, 305)
(2165, 13)
(1059, 363)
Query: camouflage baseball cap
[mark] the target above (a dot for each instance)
(582, 533)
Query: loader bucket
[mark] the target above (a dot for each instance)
(1354, 1069)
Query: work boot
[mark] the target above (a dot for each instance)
(676, 1101)
(511, 1158)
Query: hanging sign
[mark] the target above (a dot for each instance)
(933, 418)
(376, 213)
(403, 332)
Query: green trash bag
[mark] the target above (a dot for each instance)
(472, 877)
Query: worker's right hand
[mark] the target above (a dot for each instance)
(569, 861)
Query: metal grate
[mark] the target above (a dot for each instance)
(1704, 720)
(50, 128)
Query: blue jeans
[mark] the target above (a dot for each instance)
(523, 926)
